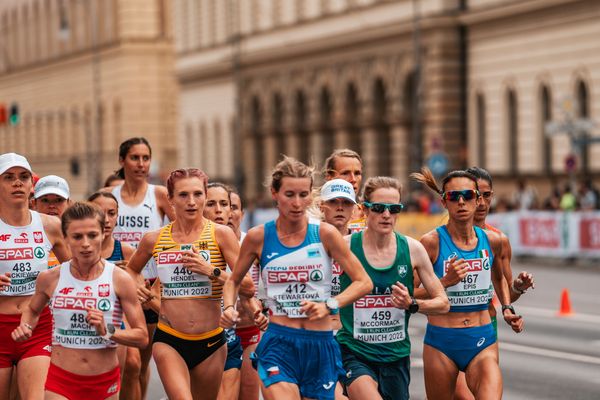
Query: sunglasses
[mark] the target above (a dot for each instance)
(455, 195)
(380, 208)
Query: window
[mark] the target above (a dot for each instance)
(481, 131)
(513, 133)
(545, 117)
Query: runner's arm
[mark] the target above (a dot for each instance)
(136, 334)
(138, 260)
(162, 198)
(230, 248)
(52, 227)
(437, 301)
(338, 249)
(46, 280)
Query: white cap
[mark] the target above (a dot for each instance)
(51, 184)
(9, 160)
(337, 189)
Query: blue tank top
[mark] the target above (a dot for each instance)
(289, 275)
(472, 293)
(117, 254)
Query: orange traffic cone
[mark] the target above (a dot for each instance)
(565, 304)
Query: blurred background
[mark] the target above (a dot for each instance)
(229, 85)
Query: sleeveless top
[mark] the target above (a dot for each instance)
(289, 275)
(472, 293)
(24, 253)
(117, 253)
(373, 327)
(177, 282)
(134, 221)
(69, 304)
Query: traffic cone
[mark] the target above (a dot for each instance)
(565, 304)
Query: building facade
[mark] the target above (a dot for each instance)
(308, 76)
(86, 75)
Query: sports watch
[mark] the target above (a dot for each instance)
(216, 273)
(333, 305)
(414, 306)
(509, 307)
(110, 331)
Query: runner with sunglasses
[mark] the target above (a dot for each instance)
(518, 286)
(466, 259)
(347, 164)
(374, 337)
(297, 356)
(26, 239)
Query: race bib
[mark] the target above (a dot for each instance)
(377, 320)
(179, 282)
(335, 280)
(474, 288)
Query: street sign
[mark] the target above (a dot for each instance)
(570, 163)
(438, 163)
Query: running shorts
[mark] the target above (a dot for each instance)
(39, 344)
(249, 335)
(77, 387)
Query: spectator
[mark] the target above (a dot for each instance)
(525, 197)
(568, 201)
(588, 198)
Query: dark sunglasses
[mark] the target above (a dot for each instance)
(380, 208)
(487, 195)
(455, 195)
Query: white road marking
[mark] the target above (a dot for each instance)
(549, 353)
(545, 312)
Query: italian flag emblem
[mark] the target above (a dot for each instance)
(484, 254)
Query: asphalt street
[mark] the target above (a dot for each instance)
(555, 358)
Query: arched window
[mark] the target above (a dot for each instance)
(513, 131)
(352, 122)
(545, 117)
(382, 129)
(481, 131)
(583, 111)
(326, 123)
(259, 144)
(301, 129)
(278, 128)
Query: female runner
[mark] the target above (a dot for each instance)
(467, 260)
(142, 208)
(26, 239)
(191, 254)
(374, 337)
(518, 286)
(88, 298)
(297, 356)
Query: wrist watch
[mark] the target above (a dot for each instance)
(414, 306)
(509, 307)
(216, 273)
(333, 305)
(110, 331)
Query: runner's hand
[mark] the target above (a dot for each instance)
(144, 294)
(22, 332)
(400, 296)
(515, 321)
(314, 311)
(4, 281)
(95, 318)
(524, 281)
(260, 320)
(229, 318)
(193, 261)
(457, 270)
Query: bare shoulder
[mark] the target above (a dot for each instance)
(107, 189)
(327, 229)
(150, 238)
(430, 240)
(52, 224)
(494, 238)
(161, 190)
(256, 235)
(223, 232)
(49, 278)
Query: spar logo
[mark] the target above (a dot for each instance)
(22, 238)
(74, 303)
(38, 237)
(104, 305)
(24, 253)
(473, 265)
(170, 257)
(374, 302)
(316, 276)
(39, 252)
(288, 276)
(5, 237)
(104, 290)
(128, 236)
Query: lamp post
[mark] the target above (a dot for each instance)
(93, 131)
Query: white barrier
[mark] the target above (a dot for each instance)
(555, 234)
